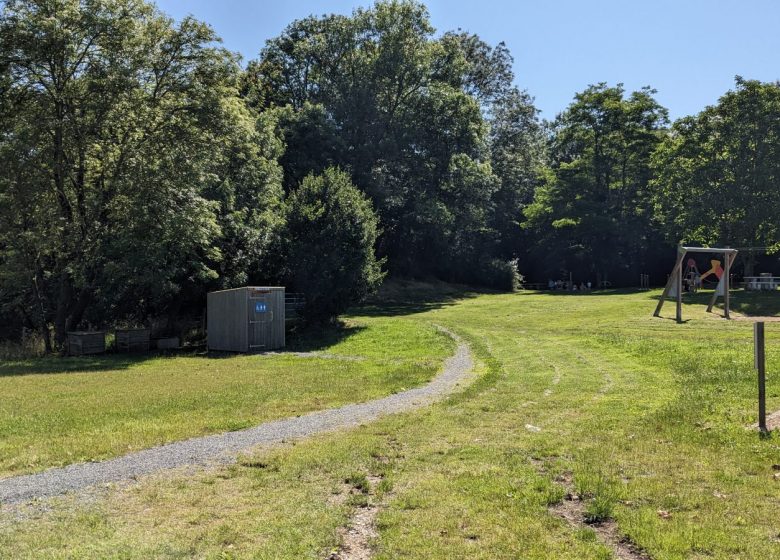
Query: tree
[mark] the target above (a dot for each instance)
(378, 95)
(518, 158)
(592, 213)
(328, 244)
(130, 166)
(716, 173)
(311, 141)
(470, 64)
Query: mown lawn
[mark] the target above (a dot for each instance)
(57, 411)
(647, 418)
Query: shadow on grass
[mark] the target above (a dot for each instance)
(93, 363)
(302, 339)
(315, 338)
(756, 304)
(396, 298)
(410, 297)
(747, 302)
(586, 293)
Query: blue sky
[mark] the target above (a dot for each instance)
(689, 50)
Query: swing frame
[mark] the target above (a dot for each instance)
(676, 278)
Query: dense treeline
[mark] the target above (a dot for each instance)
(141, 165)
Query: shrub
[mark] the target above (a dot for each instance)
(499, 275)
(328, 244)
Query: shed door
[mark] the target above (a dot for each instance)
(260, 316)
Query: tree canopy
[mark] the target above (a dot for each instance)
(141, 165)
(133, 173)
(716, 173)
(592, 213)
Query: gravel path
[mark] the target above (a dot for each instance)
(223, 448)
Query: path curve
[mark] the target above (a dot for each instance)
(223, 448)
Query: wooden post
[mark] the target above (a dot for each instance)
(760, 362)
(727, 263)
(668, 287)
(678, 279)
(726, 286)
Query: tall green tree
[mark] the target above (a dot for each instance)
(328, 244)
(592, 214)
(716, 173)
(130, 166)
(401, 111)
(518, 157)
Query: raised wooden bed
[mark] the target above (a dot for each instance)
(81, 343)
(132, 340)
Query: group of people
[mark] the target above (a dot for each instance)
(570, 286)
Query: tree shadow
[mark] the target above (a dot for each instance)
(315, 338)
(399, 298)
(602, 292)
(746, 302)
(412, 297)
(756, 303)
(81, 364)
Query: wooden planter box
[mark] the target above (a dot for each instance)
(132, 340)
(81, 343)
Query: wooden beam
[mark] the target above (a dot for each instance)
(760, 363)
(729, 257)
(679, 291)
(725, 250)
(727, 285)
(668, 287)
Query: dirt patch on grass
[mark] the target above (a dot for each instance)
(772, 421)
(358, 536)
(573, 510)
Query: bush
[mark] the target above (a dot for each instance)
(328, 244)
(499, 275)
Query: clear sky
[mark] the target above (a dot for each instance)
(689, 50)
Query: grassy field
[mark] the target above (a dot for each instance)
(645, 419)
(57, 411)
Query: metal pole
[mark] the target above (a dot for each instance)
(760, 359)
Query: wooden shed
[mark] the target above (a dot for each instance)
(86, 342)
(249, 319)
(132, 340)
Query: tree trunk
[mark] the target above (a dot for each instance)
(64, 303)
(750, 263)
(79, 307)
(43, 325)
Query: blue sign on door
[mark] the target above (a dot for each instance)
(260, 307)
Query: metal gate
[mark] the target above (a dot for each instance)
(260, 317)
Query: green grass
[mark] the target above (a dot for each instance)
(57, 411)
(641, 414)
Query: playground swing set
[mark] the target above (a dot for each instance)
(689, 278)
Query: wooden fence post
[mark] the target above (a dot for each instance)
(679, 292)
(760, 362)
(727, 287)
